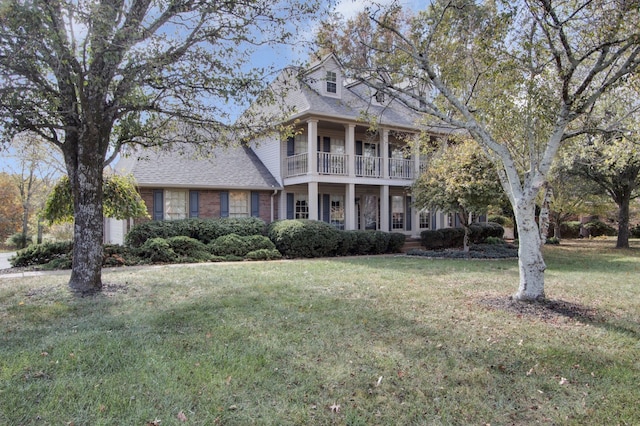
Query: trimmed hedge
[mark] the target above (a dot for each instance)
(359, 242)
(236, 245)
(454, 237)
(204, 230)
(570, 229)
(304, 238)
(597, 228)
(41, 254)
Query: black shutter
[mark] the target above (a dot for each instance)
(194, 199)
(407, 214)
(358, 147)
(290, 206)
(224, 204)
(255, 204)
(326, 144)
(158, 204)
(326, 208)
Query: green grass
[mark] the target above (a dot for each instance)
(391, 340)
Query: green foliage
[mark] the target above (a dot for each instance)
(188, 249)
(501, 220)
(493, 240)
(121, 200)
(481, 231)
(41, 254)
(117, 255)
(304, 238)
(19, 240)
(361, 242)
(597, 228)
(231, 244)
(264, 254)
(204, 230)
(570, 229)
(157, 250)
(396, 242)
(459, 178)
(552, 241)
(635, 231)
(442, 238)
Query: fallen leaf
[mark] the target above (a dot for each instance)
(228, 381)
(563, 381)
(181, 417)
(335, 408)
(379, 381)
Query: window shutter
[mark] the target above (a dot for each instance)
(326, 208)
(407, 214)
(194, 201)
(326, 144)
(291, 147)
(158, 204)
(390, 213)
(224, 204)
(255, 204)
(358, 147)
(319, 206)
(290, 206)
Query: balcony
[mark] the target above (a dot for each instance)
(362, 166)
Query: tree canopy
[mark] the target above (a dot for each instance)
(516, 76)
(91, 76)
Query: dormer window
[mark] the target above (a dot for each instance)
(332, 82)
(380, 97)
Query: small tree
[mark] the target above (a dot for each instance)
(121, 200)
(459, 179)
(10, 210)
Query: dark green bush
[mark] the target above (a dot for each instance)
(552, 241)
(396, 241)
(493, 240)
(481, 231)
(264, 254)
(442, 238)
(635, 231)
(347, 243)
(19, 240)
(117, 255)
(570, 229)
(597, 228)
(40, 254)
(204, 230)
(157, 250)
(231, 244)
(304, 238)
(188, 249)
(503, 221)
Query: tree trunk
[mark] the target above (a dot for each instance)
(86, 187)
(623, 221)
(544, 213)
(530, 262)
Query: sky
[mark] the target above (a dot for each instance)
(284, 54)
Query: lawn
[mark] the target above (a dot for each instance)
(345, 341)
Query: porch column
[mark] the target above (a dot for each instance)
(415, 221)
(312, 147)
(384, 146)
(350, 207)
(350, 148)
(384, 208)
(313, 200)
(415, 154)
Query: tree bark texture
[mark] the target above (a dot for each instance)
(530, 262)
(623, 220)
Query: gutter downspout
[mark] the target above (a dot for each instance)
(275, 192)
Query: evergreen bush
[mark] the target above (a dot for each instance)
(304, 238)
(188, 249)
(264, 254)
(41, 254)
(570, 229)
(157, 250)
(396, 241)
(597, 228)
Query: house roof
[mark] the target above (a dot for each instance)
(227, 168)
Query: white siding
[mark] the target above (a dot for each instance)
(269, 149)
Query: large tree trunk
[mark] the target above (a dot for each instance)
(85, 176)
(623, 220)
(530, 261)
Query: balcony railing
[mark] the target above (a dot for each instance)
(339, 164)
(333, 164)
(297, 165)
(400, 168)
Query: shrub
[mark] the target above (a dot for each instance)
(552, 241)
(41, 254)
(503, 221)
(304, 238)
(570, 229)
(117, 255)
(347, 243)
(204, 230)
(157, 250)
(396, 241)
(188, 249)
(493, 240)
(597, 228)
(231, 244)
(19, 240)
(481, 231)
(264, 254)
(379, 242)
(635, 231)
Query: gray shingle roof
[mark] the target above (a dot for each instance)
(227, 168)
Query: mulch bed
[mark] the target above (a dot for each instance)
(544, 310)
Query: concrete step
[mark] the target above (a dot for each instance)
(409, 244)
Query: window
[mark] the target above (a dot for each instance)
(337, 211)
(425, 219)
(301, 207)
(176, 204)
(397, 212)
(238, 204)
(380, 97)
(332, 82)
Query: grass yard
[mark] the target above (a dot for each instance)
(345, 341)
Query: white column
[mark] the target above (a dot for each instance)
(415, 154)
(384, 146)
(313, 200)
(415, 221)
(350, 207)
(350, 148)
(384, 208)
(312, 146)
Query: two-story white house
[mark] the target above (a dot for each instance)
(337, 168)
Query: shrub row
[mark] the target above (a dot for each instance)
(311, 238)
(203, 230)
(454, 237)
